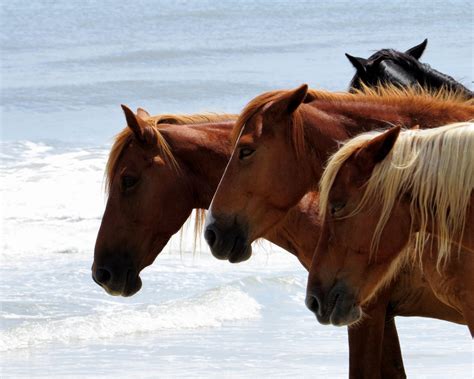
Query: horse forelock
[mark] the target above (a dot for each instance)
(259, 103)
(122, 140)
(252, 107)
(403, 59)
(414, 165)
(155, 138)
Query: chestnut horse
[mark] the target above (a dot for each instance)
(157, 173)
(131, 225)
(155, 183)
(382, 197)
(282, 140)
(388, 66)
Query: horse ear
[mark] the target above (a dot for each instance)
(142, 113)
(418, 50)
(375, 150)
(358, 63)
(135, 123)
(309, 97)
(290, 102)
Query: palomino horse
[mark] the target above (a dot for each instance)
(188, 162)
(401, 69)
(281, 146)
(382, 197)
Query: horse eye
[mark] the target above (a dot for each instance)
(128, 182)
(245, 153)
(336, 207)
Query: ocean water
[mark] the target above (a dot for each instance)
(65, 69)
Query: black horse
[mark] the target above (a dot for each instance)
(402, 69)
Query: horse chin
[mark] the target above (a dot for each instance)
(130, 287)
(133, 285)
(342, 316)
(240, 253)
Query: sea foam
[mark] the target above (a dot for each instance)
(208, 310)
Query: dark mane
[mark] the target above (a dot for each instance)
(388, 66)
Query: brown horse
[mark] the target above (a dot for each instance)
(177, 169)
(282, 141)
(157, 173)
(383, 196)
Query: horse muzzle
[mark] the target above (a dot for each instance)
(117, 281)
(337, 306)
(228, 241)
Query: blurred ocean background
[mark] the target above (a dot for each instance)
(66, 66)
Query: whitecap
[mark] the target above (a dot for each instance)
(210, 310)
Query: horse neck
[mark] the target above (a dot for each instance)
(325, 126)
(327, 122)
(299, 231)
(432, 226)
(435, 79)
(202, 151)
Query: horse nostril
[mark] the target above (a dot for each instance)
(312, 303)
(210, 237)
(102, 275)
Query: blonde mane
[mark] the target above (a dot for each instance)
(123, 139)
(442, 101)
(434, 166)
